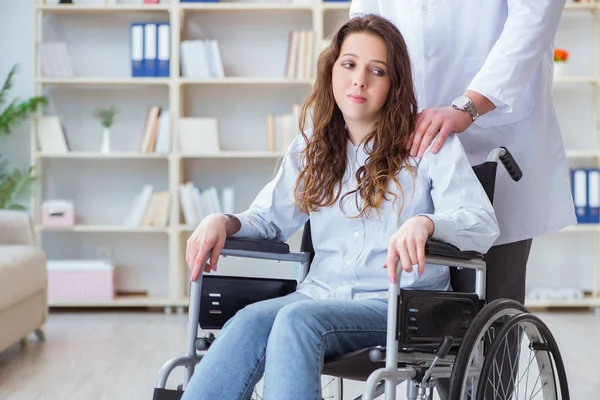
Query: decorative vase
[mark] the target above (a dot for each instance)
(560, 69)
(105, 148)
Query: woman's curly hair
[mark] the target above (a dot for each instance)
(324, 158)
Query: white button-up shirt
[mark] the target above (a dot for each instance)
(350, 252)
(502, 49)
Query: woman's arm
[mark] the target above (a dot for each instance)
(274, 214)
(463, 214)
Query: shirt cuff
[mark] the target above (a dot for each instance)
(443, 227)
(246, 230)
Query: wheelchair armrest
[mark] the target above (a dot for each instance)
(436, 248)
(262, 249)
(258, 245)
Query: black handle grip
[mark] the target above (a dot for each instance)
(511, 165)
(444, 348)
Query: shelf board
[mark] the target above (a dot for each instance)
(336, 5)
(101, 156)
(582, 6)
(245, 6)
(574, 303)
(577, 79)
(236, 154)
(582, 228)
(103, 81)
(123, 301)
(97, 8)
(243, 80)
(583, 153)
(103, 229)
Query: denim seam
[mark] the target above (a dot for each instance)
(252, 375)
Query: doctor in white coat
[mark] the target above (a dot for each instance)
(484, 68)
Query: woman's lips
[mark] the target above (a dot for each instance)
(356, 99)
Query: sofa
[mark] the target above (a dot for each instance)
(23, 280)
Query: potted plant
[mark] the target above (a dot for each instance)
(561, 57)
(15, 184)
(107, 119)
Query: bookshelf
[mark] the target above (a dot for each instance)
(102, 186)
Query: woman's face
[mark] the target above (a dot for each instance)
(360, 77)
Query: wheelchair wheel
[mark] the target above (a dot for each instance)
(477, 340)
(331, 389)
(533, 376)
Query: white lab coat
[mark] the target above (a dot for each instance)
(502, 49)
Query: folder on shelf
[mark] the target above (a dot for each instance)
(593, 199)
(579, 189)
(150, 49)
(51, 135)
(164, 49)
(137, 49)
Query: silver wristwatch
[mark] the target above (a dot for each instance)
(464, 103)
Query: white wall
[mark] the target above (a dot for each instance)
(16, 33)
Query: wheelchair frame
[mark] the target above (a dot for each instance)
(437, 365)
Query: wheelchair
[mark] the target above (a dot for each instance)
(431, 335)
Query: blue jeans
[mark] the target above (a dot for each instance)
(287, 339)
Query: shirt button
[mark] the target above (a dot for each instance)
(348, 262)
(357, 234)
(427, 57)
(424, 8)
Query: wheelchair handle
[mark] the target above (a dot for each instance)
(511, 165)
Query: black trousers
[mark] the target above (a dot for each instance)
(506, 267)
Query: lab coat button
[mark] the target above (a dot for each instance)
(424, 8)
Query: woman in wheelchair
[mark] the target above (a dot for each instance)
(369, 203)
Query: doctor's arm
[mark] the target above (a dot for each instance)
(528, 32)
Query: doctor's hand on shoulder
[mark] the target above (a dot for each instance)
(408, 244)
(440, 122)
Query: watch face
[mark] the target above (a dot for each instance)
(462, 101)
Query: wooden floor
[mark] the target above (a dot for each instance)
(116, 355)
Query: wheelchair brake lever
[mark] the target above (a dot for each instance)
(441, 353)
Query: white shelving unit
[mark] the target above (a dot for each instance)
(102, 186)
(572, 256)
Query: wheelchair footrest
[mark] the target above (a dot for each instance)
(426, 317)
(167, 394)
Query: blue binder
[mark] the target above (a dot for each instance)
(164, 49)
(150, 49)
(593, 196)
(136, 53)
(579, 189)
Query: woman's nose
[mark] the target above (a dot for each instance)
(359, 80)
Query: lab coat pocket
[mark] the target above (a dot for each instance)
(521, 109)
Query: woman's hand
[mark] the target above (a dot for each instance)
(209, 236)
(408, 243)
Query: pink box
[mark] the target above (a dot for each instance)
(58, 213)
(77, 281)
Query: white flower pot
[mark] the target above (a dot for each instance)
(560, 69)
(105, 148)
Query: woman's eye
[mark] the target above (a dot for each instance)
(347, 64)
(379, 72)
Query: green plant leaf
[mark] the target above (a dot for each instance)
(8, 83)
(15, 113)
(15, 186)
